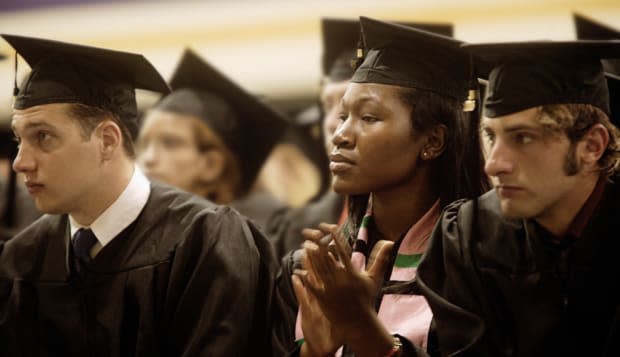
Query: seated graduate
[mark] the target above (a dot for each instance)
(210, 137)
(406, 127)
(118, 266)
(530, 269)
(340, 38)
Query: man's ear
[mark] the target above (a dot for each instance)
(214, 165)
(435, 144)
(111, 138)
(593, 144)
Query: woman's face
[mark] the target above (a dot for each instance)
(167, 150)
(374, 146)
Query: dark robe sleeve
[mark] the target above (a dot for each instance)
(214, 294)
(283, 333)
(284, 229)
(448, 280)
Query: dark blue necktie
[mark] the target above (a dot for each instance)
(83, 241)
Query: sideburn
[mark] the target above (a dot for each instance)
(571, 166)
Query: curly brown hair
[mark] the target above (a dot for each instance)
(575, 120)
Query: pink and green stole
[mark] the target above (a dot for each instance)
(404, 314)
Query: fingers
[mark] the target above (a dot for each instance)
(328, 228)
(310, 234)
(379, 259)
(300, 291)
(318, 261)
(304, 283)
(341, 251)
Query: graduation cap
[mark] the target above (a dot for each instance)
(588, 29)
(528, 74)
(248, 127)
(613, 84)
(399, 55)
(340, 43)
(69, 73)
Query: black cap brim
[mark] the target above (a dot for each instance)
(408, 57)
(341, 37)
(493, 53)
(523, 75)
(75, 74)
(131, 67)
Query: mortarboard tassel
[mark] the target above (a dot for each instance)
(359, 54)
(469, 105)
(15, 88)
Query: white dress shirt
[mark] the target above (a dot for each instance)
(120, 214)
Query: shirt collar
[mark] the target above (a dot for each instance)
(120, 214)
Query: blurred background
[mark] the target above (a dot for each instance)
(271, 47)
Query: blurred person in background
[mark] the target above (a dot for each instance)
(210, 137)
(17, 209)
(296, 171)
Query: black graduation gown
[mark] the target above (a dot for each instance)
(24, 211)
(187, 278)
(502, 288)
(260, 207)
(285, 230)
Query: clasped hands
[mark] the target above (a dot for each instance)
(336, 300)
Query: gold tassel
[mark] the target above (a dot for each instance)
(470, 104)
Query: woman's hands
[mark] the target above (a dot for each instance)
(336, 300)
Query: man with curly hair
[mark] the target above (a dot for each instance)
(528, 269)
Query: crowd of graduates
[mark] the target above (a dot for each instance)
(468, 202)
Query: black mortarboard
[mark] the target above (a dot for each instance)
(69, 73)
(588, 29)
(399, 55)
(340, 43)
(613, 84)
(248, 127)
(528, 74)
